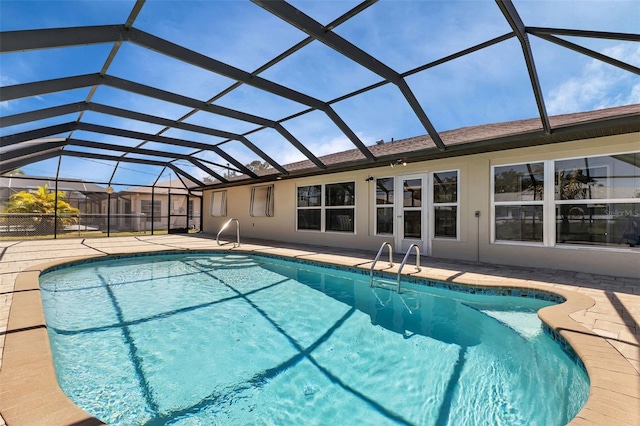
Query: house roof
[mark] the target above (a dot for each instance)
(150, 88)
(175, 186)
(476, 139)
(20, 183)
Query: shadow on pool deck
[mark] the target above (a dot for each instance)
(600, 319)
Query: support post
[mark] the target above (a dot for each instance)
(108, 214)
(153, 200)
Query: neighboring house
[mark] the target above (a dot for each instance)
(167, 205)
(87, 197)
(504, 193)
(130, 210)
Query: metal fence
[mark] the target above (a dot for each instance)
(158, 209)
(15, 226)
(174, 223)
(41, 225)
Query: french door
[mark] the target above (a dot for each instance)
(411, 212)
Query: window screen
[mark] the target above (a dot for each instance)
(261, 201)
(219, 203)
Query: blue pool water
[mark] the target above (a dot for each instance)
(232, 339)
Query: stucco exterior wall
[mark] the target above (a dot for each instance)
(474, 238)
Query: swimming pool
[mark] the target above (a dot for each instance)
(243, 339)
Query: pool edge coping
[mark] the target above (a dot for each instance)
(611, 376)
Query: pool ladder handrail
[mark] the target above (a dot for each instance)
(378, 258)
(406, 256)
(237, 243)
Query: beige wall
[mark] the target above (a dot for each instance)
(475, 195)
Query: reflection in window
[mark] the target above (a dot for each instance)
(599, 224)
(340, 194)
(384, 220)
(519, 223)
(384, 205)
(518, 198)
(612, 180)
(598, 178)
(446, 219)
(445, 204)
(413, 224)
(334, 211)
(520, 182)
(339, 220)
(310, 196)
(309, 219)
(309, 207)
(343, 196)
(412, 193)
(445, 187)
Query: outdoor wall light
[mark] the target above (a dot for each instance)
(399, 162)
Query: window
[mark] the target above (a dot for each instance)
(384, 206)
(340, 201)
(261, 201)
(412, 203)
(597, 200)
(191, 206)
(329, 207)
(445, 204)
(309, 207)
(591, 201)
(518, 202)
(219, 203)
(145, 208)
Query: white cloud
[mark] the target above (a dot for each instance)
(336, 144)
(599, 85)
(6, 81)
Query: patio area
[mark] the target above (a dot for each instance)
(600, 319)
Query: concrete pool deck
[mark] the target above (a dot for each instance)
(601, 319)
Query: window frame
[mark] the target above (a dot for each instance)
(391, 206)
(522, 203)
(551, 204)
(222, 208)
(266, 210)
(191, 205)
(556, 202)
(323, 208)
(313, 208)
(434, 204)
(155, 206)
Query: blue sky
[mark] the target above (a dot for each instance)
(487, 86)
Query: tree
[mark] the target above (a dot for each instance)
(42, 201)
(519, 182)
(258, 165)
(14, 172)
(573, 184)
(254, 166)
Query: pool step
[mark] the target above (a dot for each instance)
(385, 284)
(226, 262)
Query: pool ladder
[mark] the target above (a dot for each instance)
(378, 258)
(237, 243)
(404, 261)
(406, 256)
